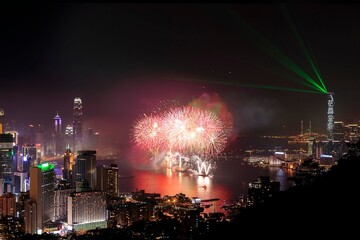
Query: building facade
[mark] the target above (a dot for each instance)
(42, 186)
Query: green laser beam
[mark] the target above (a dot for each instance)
(281, 88)
(286, 76)
(251, 85)
(276, 54)
(307, 54)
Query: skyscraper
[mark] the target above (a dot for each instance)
(7, 205)
(86, 167)
(7, 159)
(339, 130)
(77, 123)
(69, 136)
(330, 116)
(87, 210)
(62, 192)
(108, 180)
(68, 164)
(2, 115)
(42, 188)
(29, 153)
(57, 122)
(58, 136)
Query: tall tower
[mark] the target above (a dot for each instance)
(68, 164)
(108, 180)
(330, 116)
(7, 158)
(2, 116)
(77, 124)
(57, 120)
(86, 167)
(42, 187)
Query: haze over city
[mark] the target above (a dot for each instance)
(179, 121)
(122, 59)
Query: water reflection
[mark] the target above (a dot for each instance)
(229, 182)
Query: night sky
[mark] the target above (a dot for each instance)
(122, 59)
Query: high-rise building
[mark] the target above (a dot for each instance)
(86, 167)
(352, 132)
(57, 122)
(20, 181)
(68, 164)
(29, 157)
(77, 124)
(108, 180)
(7, 205)
(69, 136)
(330, 116)
(30, 217)
(2, 117)
(58, 135)
(42, 187)
(62, 192)
(339, 130)
(7, 159)
(87, 210)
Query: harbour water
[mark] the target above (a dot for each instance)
(229, 182)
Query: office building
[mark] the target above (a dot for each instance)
(86, 167)
(42, 186)
(8, 159)
(62, 192)
(87, 210)
(68, 164)
(77, 124)
(108, 180)
(7, 205)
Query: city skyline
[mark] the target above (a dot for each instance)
(123, 59)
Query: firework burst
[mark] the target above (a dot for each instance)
(188, 130)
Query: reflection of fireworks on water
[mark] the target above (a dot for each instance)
(183, 132)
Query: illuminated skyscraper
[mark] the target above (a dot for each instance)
(68, 164)
(330, 116)
(58, 135)
(339, 131)
(86, 167)
(87, 210)
(7, 160)
(77, 124)
(62, 192)
(2, 116)
(57, 122)
(108, 180)
(69, 136)
(29, 153)
(42, 187)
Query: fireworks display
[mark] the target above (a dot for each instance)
(188, 137)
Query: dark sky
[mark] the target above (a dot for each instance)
(121, 59)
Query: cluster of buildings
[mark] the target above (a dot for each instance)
(308, 144)
(32, 198)
(37, 196)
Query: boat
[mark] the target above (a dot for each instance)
(206, 205)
